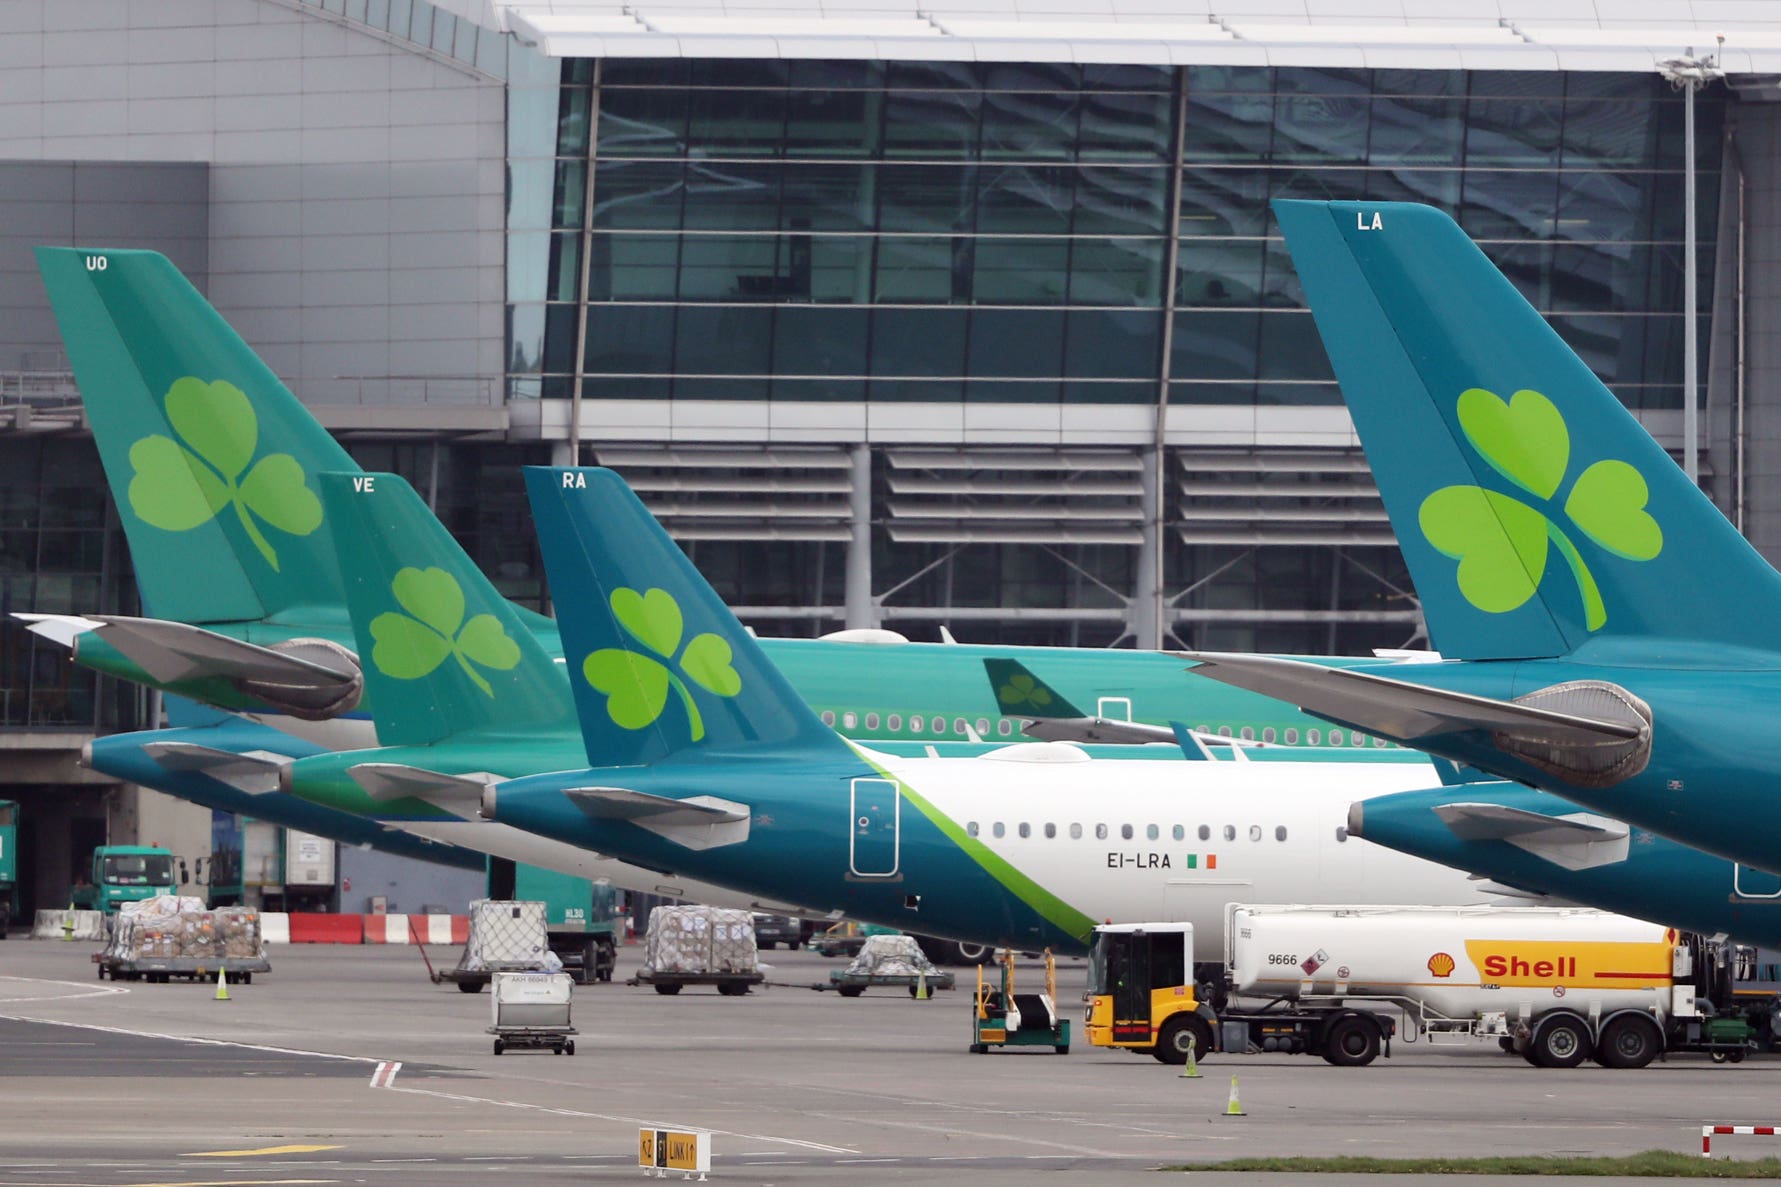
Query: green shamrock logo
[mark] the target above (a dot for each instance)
(1500, 541)
(1022, 689)
(180, 486)
(636, 684)
(411, 645)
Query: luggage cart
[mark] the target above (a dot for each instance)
(531, 1010)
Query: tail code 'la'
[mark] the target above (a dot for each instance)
(1536, 514)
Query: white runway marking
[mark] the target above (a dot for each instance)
(385, 1075)
(149, 1034)
(86, 989)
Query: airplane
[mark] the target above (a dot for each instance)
(1536, 843)
(211, 461)
(463, 696)
(702, 758)
(1607, 635)
(227, 763)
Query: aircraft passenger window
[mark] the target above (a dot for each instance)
(871, 721)
(982, 726)
(915, 723)
(1050, 831)
(1280, 832)
(1357, 739)
(895, 721)
(1224, 731)
(1341, 832)
(971, 829)
(1005, 727)
(1248, 734)
(1125, 832)
(1312, 737)
(1268, 734)
(996, 829)
(1026, 830)
(1100, 832)
(1075, 832)
(1205, 833)
(828, 717)
(1200, 729)
(850, 720)
(1230, 832)
(1255, 832)
(1180, 833)
(1292, 737)
(959, 728)
(1150, 832)
(1335, 737)
(1379, 743)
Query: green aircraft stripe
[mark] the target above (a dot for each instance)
(1050, 907)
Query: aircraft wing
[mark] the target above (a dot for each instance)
(458, 794)
(1096, 729)
(698, 822)
(1394, 708)
(57, 628)
(172, 651)
(253, 771)
(1579, 841)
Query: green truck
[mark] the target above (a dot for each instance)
(9, 864)
(580, 917)
(124, 874)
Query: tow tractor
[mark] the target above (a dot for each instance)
(1005, 1018)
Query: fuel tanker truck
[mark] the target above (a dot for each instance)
(1556, 985)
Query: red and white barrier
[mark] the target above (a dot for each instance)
(1707, 1132)
(275, 927)
(411, 929)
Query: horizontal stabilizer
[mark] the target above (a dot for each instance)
(174, 651)
(57, 628)
(1578, 841)
(1396, 709)
(698, 822)
(253, 771)
(1096, 729)
(458, 794)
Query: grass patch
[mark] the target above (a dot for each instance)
(1657, 1164)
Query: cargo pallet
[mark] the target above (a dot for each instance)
(728, 984)
(236, 970)
(854, 984)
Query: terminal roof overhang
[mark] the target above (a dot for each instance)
(1535, 35)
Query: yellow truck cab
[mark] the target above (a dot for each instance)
(1141, 992)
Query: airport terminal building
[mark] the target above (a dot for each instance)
(971, 314)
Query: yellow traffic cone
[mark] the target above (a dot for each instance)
(222, 995)
(68, 922)
(921, 987)
(1192, 1070)
(1235, 1107)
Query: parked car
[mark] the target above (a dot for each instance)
(772, 930)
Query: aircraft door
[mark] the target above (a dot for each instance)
(1749, 883)
(874, 841)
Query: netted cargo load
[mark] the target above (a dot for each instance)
(175, 928)
(696, 939)
(892, 956)
(505, 935)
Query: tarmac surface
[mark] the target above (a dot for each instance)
(288, 1083)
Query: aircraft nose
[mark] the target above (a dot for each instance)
(1355, 813)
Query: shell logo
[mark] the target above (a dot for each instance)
(1441, 964)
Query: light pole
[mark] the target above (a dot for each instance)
(1689, 74)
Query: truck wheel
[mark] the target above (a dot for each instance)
(850, 990)
(469, 986)
(667, 990)
(1630, 1041)
(1352, 1041)
(1561, 1041)
(569, 1047)
(500, 1046)
(1178, 1032)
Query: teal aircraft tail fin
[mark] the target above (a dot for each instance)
(1536, 514)
(658, 663)
(1021, 693)
(442, 652)
(211, 459)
